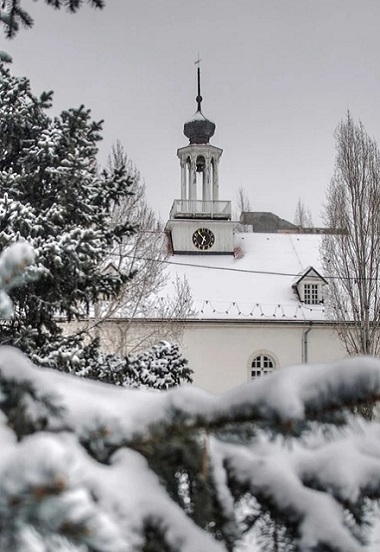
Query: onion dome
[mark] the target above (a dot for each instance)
(199, 129)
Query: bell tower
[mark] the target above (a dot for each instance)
(199, 157)
(200, 222)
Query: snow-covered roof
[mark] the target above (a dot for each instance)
(198, 116)
(256, 283)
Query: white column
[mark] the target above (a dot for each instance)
(207, 181)
(215, 181)
(183, 179)
(193, 181)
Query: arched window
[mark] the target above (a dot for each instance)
(261, 365)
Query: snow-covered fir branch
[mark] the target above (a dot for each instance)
(96, 464)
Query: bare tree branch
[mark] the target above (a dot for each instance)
(351, 256)
(302, 216)
(242, 205)
(142, 254)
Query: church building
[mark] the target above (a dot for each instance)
(258, 295)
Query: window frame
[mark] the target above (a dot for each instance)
(261, 363)
(312, 293)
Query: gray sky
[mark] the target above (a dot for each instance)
(277, 77)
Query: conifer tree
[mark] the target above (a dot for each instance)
(159, 367)
(13, 14)
(52, 195)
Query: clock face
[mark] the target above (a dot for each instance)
(203, 238)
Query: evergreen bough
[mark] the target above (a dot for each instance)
(53, 195)
(13, 15)
(159, 367)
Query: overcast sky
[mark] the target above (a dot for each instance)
(277, 77)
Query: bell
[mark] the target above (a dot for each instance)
(200, 164)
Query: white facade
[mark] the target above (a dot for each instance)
(253, 304)
(221, 353)
(257, 298)
(182, 235)
(245, 307)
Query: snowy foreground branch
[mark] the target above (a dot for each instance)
(13, 262)
(81, 463)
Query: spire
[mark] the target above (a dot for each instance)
(199, 97)
(199, 129)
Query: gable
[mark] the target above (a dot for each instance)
(310, 275)
(309, 287)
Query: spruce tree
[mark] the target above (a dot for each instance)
(52, 195)
(13, 15)
(159, 367)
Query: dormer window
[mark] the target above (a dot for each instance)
(309, 287)
(312, 294)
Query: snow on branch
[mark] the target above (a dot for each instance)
(287, 399)
(308, 487)
(13, 262)
(83, 460)
(88, 500)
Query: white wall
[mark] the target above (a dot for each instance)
(182, 235)
(220, 353)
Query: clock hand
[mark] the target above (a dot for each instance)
(202, 236)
